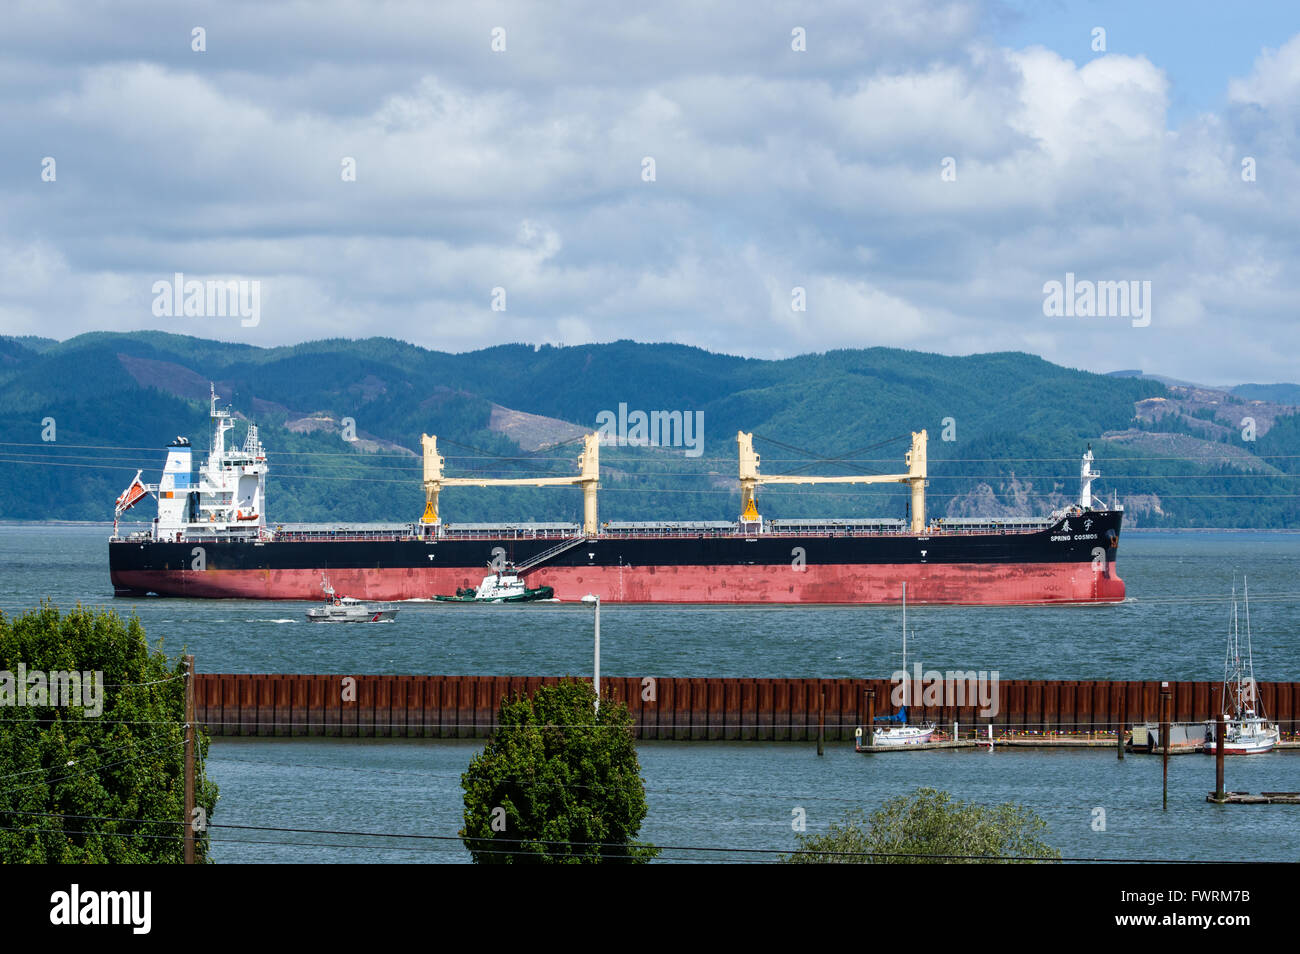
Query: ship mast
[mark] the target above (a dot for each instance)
(1256, 708)
(1086, 477)
(1231, 652)
(1238, 678)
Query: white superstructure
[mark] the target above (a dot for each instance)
(1086, 477)
(227, 496)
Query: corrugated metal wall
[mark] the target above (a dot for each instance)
(689, 709)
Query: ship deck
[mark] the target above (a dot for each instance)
(827, 528)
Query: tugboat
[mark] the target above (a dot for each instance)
(899, 732)
(500, 586)
(345, 609)
(1246, 730)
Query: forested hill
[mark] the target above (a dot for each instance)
(1006, 430)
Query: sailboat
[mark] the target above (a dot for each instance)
(899, 732)
(1247, 730)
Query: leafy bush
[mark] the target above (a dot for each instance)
(929, 826)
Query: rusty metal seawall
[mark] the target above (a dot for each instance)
(690, 709)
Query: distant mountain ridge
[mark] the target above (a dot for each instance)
(1005, 429)
(1281, 393)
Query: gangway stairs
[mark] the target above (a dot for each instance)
(547, 555)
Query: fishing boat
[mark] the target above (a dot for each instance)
(898, 731)
(345, 609)
(500, 586)
(1246, 729)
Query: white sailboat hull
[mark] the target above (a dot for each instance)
(903, 735)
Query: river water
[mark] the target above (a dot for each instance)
(708, 796)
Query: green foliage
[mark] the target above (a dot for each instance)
(124, 768)
(930, 823)
(556, 783)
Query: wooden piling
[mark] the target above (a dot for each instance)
(1123, 722)
(821, 725)
(1219, 732)
(871, 717)
(1164, 739)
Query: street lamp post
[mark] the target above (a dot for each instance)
(595, 600)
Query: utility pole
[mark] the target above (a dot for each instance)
(189, 760)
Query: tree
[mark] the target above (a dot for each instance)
(84, 786)
(930, 823)
(556, 782)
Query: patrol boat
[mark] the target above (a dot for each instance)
(345, 609)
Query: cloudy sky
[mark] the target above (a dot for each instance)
(919, 169)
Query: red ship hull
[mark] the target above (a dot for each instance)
(990, 584)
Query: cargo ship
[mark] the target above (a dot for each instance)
(211, 539)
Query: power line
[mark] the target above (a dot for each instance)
(113, 818)
(92, 834)
(775, 460)
(78, 759)
(92, 771)
(420, 836)
(623, 468)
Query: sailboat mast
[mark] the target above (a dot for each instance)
(1232, 666)
(906, 680)
(1255, 703)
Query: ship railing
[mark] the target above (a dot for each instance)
(137, 536)
(505, 534)
(836, 532)
(662, 533)
(563, 540)
(328, 537)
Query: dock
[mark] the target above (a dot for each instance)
(1263, 798)
(921, 746)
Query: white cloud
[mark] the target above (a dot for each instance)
(523, 169)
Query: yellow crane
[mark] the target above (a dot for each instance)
(751, 478)
(589, 478)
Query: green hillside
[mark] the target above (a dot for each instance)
(1020, 424)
